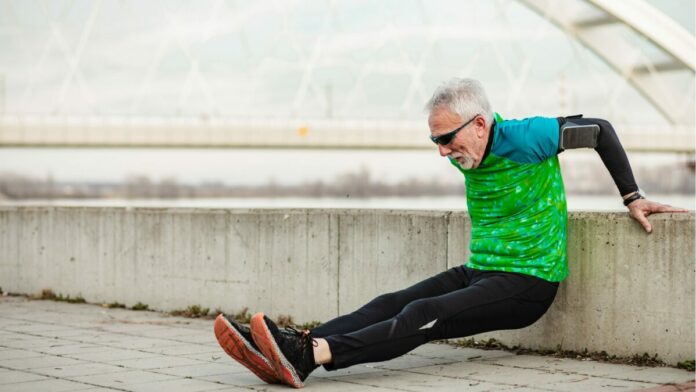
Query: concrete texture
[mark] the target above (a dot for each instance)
(50, 346)
(628, 292)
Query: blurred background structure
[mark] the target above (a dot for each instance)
(222, 98)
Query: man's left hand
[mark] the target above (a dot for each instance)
(641, 208)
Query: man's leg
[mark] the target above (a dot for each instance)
(388, 305)
(295, 356)
(493, 301)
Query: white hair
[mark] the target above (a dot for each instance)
(464, 97)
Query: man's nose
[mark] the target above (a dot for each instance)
(444, 151)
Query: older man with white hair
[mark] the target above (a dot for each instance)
(517, 204)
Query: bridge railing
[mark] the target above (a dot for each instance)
(194, 132)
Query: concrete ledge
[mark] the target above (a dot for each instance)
(628, 292)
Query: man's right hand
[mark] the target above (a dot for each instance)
(641, 208)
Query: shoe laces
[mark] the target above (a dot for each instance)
(305, 351)
(305, 337)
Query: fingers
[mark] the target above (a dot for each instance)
(646, 224)
(640, 211)
(667, 208)
(658, 207)
(641, 218)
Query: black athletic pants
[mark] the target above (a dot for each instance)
(456, 303)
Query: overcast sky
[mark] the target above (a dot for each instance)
(290, 59)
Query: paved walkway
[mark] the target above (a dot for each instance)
(54, 346)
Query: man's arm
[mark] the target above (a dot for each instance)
(615, 160)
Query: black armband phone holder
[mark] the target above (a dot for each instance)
(577, 136)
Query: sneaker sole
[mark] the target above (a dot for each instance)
(237, 347)
(264, 340)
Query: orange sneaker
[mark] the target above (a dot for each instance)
(290, 352)
(237, 342)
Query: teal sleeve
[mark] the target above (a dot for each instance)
(531, 140)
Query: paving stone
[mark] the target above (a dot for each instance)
(83, 369)
(407, 381)
(688, 387)
(38, 362)
(327, 384)
(28, 342)
(412, 361)
(70, 348)
(655, 374)
(144, 330)
(358, 369)
(50, 385)
(138, 343)
(39, 328)
(588, 367)
(207, 369)
(157, 362)
(123, 379)
(177, 385)
(524, 377)
(17, 354)
(183, 348)
(173, 333)
(14, 376)
(459, 353)
(5, 323)
(69, 332)
(597, 369)
(99, 338)
(111, 355)
(241, 377)
(587, 383)
(202, 337)
(510, 376)
(208, 357)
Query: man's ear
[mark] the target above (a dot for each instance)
(480, 126)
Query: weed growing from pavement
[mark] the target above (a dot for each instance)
(48, 294)
(140, 306)
(687, 365)
(284, 320)
(243, 316)
(74, 300)
(193, 311)
(309, 325)
(602, 356)
(114, 305)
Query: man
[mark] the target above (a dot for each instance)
(517, 204)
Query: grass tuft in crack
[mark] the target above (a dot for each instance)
(193, 311)
(602, 356)
(140, 306)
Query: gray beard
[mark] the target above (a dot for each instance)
(466, 162)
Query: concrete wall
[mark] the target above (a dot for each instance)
(628, 292)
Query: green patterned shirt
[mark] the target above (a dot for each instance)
(517, 202)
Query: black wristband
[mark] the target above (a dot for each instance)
(633, 198)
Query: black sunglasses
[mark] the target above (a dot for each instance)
(446, 138)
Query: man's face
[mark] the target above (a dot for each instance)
(468, 145)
